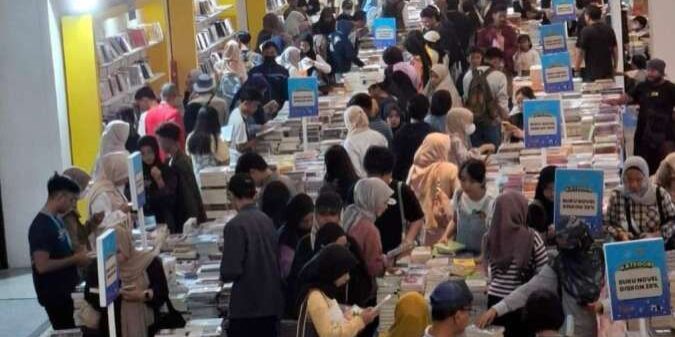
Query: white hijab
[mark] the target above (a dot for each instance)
(113, 139)
(647, 194)
(369, 194)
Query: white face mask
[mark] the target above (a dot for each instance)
(470, 129)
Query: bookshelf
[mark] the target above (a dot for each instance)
(107, 57)
(200, 30)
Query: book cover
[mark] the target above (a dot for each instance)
(564, 10)
(578, 194)
(553, 38)
(542, 121)
(637, 278)
(303, 94)
(557, 72)
(384, 32)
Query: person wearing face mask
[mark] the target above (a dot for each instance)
(275, 74)
(577, 271)
(106, 195)
(371, 199)
(321, 279)
(460, 127)
(54, 259)
(639, 208)
(654, 135)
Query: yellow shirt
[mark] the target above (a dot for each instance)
(319, 309)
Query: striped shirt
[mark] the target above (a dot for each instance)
(503, 282)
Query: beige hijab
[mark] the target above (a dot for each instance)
(80, 177)
(114, 169)
(431, 172)
(446, 83)
(232, 63)
(356, 120)
(136, 316)
(666, 172)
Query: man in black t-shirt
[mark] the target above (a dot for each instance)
(597, 47)
(654, 135)
(379, 163)
(54, 261)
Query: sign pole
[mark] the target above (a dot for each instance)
(111, 320)
(108, 274)
(304, 134)
(141, 226)
(643, 327)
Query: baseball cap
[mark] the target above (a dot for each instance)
(658, 65)
(451, 295)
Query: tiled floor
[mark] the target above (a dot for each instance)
(20, 313)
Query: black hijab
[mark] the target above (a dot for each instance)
(296, 210)
(150, 141)
(546, 176)
(580, 263)
(328, 234)
(309, 38)
(414, 43)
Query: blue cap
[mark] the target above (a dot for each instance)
(451, 295)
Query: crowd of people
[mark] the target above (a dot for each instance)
(410, 172)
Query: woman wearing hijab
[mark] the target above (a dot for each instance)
(578, 273)
(340, 173)
(321, 280)
(161, 183)
(204, 145)
(371, 199)
(434, 179)
(412, 73)
(114, 139)
(76, 229)
(313, 63)
(296, 23)
(665, 175)
(400, 86)
(232, 72)
(544, 192)
(360, 137)
(145, 289)
(460, 127)
(411, 316)
(514, 253)
(639, 208)
(299, 221)
(106, 195)
(414, 44)
(440, 79)
(290, 59)
(394, 117)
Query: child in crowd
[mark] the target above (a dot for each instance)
(526, 56)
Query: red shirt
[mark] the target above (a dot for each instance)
(164, 113)
(488, 37)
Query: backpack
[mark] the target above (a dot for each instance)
(480, 99)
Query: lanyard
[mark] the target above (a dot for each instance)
(61, 227)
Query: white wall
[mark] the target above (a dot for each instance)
(33, 122)
(661, 23)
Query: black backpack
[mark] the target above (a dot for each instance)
(480, 99)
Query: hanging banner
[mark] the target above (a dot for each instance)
(108, 275)
(136, 182)
(578, 194)
(553, 38)
(637, 278)
(557, 72)
(303, 94)
(542, 121)
(384, 32)
(563, 10)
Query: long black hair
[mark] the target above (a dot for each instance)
(414, 43)
(309, 38)
(327, 23)
(205, 133)
(340, 170)
(273, 202)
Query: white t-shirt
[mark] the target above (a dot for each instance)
(239, 136)
(141, 124)
(357, 145)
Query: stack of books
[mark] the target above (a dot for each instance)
(213, 182)
(387, 285)
(201, 301)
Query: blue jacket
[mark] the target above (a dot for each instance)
(342, 52)
(277, 77)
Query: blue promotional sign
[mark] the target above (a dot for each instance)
(136, 182)
(542, 121)
(557, 72)
(637, 278)
(578, 195)
(303, 94)
(384, 32)
(553, 38)
(563, 10)
(108, 274)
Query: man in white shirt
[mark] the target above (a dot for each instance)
(145, 100)
(450, 309)
(240, 141)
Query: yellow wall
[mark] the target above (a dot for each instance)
(159, 55)
(84, 109)
(255, 10)
(183, 35)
